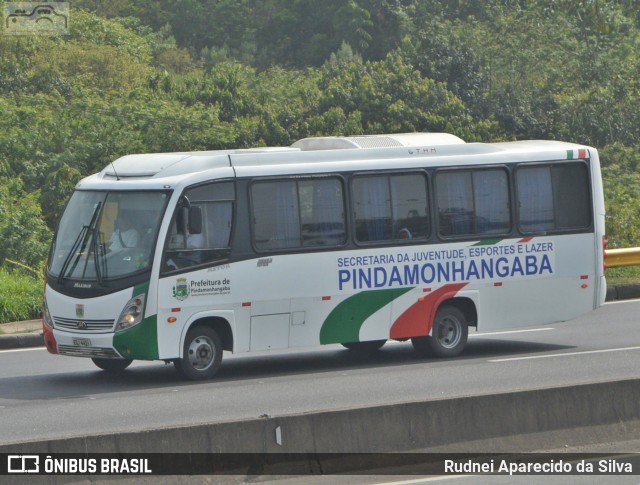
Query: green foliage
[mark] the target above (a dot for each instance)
(622, 195)
(96, 30)
(23, 233)
(157, 75)
(623, 276)
(20, 296)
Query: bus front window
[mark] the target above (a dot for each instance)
(104, 236)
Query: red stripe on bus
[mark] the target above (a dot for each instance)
(416, 321)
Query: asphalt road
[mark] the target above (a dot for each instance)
(46, 396)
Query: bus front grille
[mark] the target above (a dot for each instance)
(78, 325)
(98, 352)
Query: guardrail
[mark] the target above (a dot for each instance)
(617, 258)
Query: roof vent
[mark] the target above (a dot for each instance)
(376, 141)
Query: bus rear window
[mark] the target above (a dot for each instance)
(553, 197)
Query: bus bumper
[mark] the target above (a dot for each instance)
(85, 345)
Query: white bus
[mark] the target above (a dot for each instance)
(347, 240)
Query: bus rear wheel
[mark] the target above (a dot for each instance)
(367, 346)
(201, 354)
(448, 336)
(112, 365)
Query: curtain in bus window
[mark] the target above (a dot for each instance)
(372, 208)
(321, 212)
(275, 215)
(491, 195)
(535, 199)
(409, 206)
(287, 219)
(218, 230)
(455, 203)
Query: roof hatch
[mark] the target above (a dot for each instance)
(376, 141)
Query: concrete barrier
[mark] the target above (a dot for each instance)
(595, 412)
(22, 340)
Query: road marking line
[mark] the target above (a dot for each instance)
(426, 479)
(567, 354)
(489, 334)
(21, 350)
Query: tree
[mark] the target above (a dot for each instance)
(23, 233)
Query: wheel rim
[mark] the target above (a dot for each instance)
(201, 353)
(449, 332)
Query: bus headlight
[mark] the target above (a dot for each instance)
(46, 316)
(132, 313)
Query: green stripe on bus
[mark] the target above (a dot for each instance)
(142, 288)
(139, 341)
(345, 320)
(487, 242)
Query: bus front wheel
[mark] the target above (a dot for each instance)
(112, 365)
(201, 354)
(448, 336)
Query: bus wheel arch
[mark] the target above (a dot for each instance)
(222, 328)
(449, 329)
(202, 348)
(467, 306)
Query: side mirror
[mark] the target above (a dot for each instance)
(195, 220)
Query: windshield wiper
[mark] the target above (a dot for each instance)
(100, 256)
(81, 240)
(75, 246)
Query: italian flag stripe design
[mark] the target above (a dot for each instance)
(493, 242)
(345, 320)
(418, 318)
(576, 153)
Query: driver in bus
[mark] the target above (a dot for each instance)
(190, 257)
(124, 235)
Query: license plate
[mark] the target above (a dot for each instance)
(82, 342)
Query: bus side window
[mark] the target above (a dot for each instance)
(390, 207)
(200, 231)
(295, 213)
(473, 202)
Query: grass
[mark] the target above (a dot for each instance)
(20, 296)
(623, 276)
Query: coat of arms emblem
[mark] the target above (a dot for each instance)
(181, 289)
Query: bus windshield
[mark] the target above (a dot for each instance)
(106, 235)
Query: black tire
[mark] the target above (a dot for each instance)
(448, 336)
(201, 354)
(369, 346)
(112, 365)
